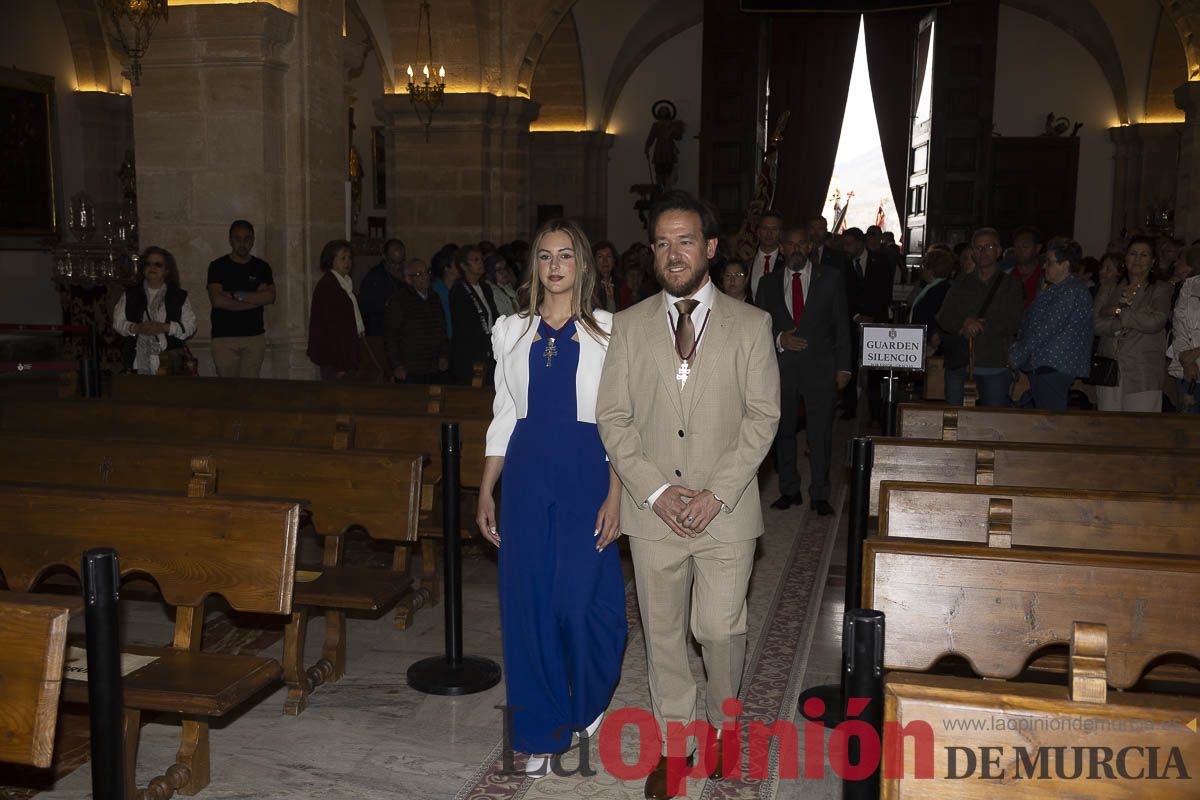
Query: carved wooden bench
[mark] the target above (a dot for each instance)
(1055, 466)
(376, 492)
(33, 638)
(997, 607)
(984, 739)
(1095, 428)
(1143, 522)
(244, 550)
(262, 426)
(269, 393)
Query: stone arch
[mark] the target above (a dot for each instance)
(549, 19)
(1080, 20)
(558, 86)
(1168, 69)
(89, 46)
(1186, 16)
(662, 21)
(373, 18)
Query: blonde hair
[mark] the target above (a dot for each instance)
(583, 293)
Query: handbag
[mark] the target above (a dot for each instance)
(1104, 372)
(955, 348)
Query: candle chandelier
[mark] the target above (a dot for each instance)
(426, 95)
(130, 24)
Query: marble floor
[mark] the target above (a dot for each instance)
(369, 736)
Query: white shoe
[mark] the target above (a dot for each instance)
(537, 767)
(590, 730)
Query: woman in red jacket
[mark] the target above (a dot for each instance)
(335, 324)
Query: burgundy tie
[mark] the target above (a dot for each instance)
(797, 298)
(766, 263)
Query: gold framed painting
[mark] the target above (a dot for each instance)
(30, 178)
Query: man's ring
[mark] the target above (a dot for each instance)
(690, 519)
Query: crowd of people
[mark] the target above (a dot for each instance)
(1123, 321)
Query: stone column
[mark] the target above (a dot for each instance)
(571, 169)
(1127, 163)
(240, 115)
(1146, 172)
(469, 182)
(1187, 198)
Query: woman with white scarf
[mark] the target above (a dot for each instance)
(155, 317)
(335, 324)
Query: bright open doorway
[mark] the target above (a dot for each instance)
(860, 177)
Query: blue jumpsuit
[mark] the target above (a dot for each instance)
(562, 604)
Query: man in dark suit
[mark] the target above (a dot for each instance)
(817, 230)
(807, 304)
(869, 296)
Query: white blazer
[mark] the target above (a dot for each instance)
(512, 336)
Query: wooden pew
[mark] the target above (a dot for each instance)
(1095, 428)
(377, 492)
(1030, 465)
(997, 607)
(452, 401)
(33, 638)
(1033, 516)
(243, 550)
(257, 426)
(261, 426)
(1024, 739)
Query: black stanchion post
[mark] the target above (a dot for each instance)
(451, 544)
(889, 405)
(453, 674)
(862, 675)
(862, 453)
(101, 578)
(90, 363)
(832, 706)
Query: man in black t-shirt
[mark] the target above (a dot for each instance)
(239, 285)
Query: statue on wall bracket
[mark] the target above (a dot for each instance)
(662, 153)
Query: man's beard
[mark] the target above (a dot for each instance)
(689, 288)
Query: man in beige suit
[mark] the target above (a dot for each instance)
(688, 407)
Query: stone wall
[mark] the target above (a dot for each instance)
(469, 181)
(571, 169)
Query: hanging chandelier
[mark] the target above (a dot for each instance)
(427, 95)
(130, 24)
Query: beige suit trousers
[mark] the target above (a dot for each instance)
(710, 578)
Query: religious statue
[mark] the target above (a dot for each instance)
(661, 150)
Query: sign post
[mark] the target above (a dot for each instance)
(892, 348)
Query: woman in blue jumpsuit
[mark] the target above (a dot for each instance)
(562, 598)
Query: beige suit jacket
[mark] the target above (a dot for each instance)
(712, 435)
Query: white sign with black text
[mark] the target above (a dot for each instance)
(892, 347)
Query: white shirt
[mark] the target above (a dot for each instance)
(156, 311)
(704, 297)
(756, 268)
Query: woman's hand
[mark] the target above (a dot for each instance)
(485, 518)
(608, 521)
